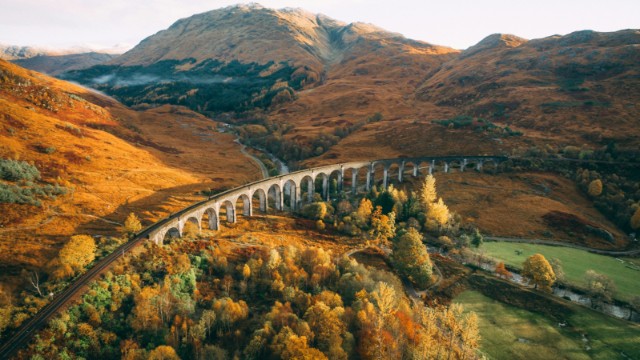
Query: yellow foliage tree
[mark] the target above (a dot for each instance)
(538, 271)
(428, 194)
(131, 225)
(438, 212)
(595, 187)
(77, 253)
(364, 211)
(383, 227)
(635, 219)
(163, 352)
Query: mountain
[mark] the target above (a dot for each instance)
(247, 56)
(58, 64)
(13, 52)
(320, 90)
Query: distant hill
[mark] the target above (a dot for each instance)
(13, 52)
(57, 64)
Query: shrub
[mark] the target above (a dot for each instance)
(315, 211)
(13, 170)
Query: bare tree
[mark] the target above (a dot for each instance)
(34, 279)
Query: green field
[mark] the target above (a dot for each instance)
(575, 262)
(509, 332)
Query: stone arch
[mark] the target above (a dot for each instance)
(455, 165)
(192, 219)
(378, 175)
(334, 186)
(410, 168)
(210, 219)
(321, 185)
(307, 189)
(291, 194)
(244, 207)
(171, 233)
(394, 173)
(274, 196)
(489, 165)
(261, 196)
(229, 209)
(351, 180)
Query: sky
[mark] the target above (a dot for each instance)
(121, 24)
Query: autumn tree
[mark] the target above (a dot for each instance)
(537, 270)
(131, 225)
(428, 194)
(228, 311)
(595, 188)
(77, 253)
(411, 258)
(383, 227)
(146, 312)
(328, 327)
(163, 352)
(600, 286)
(365, 209)
(438, 214)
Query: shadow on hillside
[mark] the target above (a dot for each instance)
(149, 209)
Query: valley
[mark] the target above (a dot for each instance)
(256, 183)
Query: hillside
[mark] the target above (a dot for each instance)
(57, 64)
(313, 85)
(582, 87)
(109, 159)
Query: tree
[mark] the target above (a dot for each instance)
(383, 227)
(428, 194)
(502, 271)
(315, 211)
(537, 270)
(595, 188)
(163, 352)
(635, 219)
(385, 201)
(364, 211)
(131, 225)
(78, 252)
(411, 258)
(556, 264)
(438, 212)
(600, 286)
(477, 239)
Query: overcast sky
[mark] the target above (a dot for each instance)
(455, 23)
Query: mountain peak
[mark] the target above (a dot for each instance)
(494, 41)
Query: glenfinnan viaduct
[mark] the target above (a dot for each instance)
(289, 186)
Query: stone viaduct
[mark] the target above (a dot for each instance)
(284, 192)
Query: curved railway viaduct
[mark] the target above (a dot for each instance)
(284, 192)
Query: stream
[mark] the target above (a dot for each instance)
(567, 294)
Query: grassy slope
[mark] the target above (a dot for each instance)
(575, 263)
(501, 327)
(117, 160)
